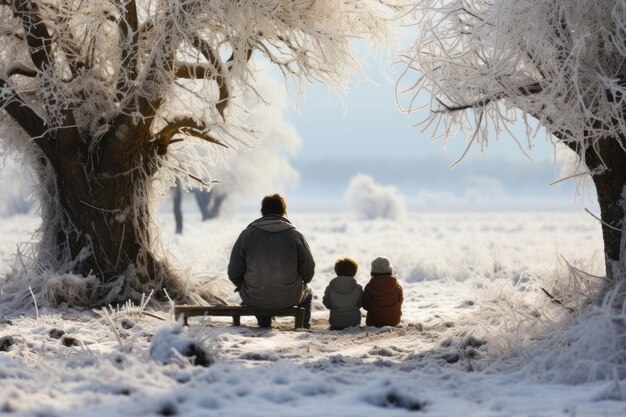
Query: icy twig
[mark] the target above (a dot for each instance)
(603, 222)
(172, 306)
(183, 360)
(105, 313)
(569, 177)
(34, 301)
(556, 300)
(153, 316)
(145, 302)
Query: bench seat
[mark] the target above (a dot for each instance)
(236, 311)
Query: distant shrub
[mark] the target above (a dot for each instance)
(371, 200)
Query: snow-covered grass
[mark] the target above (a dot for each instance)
(469, 279)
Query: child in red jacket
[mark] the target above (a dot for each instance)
(382, 297)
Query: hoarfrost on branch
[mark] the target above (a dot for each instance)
(562, 63)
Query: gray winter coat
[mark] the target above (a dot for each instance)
(343, 297)
(271, 263)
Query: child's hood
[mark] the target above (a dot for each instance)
(343, 284)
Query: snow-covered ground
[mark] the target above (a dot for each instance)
(477, 337)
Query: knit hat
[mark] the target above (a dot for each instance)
(381, 265)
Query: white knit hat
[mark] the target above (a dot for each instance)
(381, 265)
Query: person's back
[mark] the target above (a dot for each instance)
(383, 296)
(271, 263)
(277, 263)
(343, 296)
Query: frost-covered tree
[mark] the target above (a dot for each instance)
(258, 170)
(95, 93)
(561, 62)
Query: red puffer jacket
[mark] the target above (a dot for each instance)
(382, 298)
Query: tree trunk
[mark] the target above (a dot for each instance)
(203, 199)
(612, 199)
(178, 201)
(209, 202)
(102, 226)
(218, 199)
(611, 190)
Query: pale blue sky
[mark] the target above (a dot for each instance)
(367, 133)
(368, 123)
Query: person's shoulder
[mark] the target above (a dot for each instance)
(297, 235)
(396, 281)
(349, 278)
(249, 229)
(295, 230)
(391, 278)
(383, 280)
(331, 282)
(245, 233)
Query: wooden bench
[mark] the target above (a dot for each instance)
(236, 311)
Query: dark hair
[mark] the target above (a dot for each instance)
(346, 267)
(273, 204)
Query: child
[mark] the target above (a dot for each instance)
(382, 297)
(343, 296)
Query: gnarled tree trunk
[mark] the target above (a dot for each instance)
(101, 225)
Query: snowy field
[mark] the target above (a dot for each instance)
(478, 336)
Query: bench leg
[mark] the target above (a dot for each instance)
(236, 320)
(299, 319)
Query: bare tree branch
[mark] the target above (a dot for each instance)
(74, 57)
(71, 48)
(530, 89)
(37, 35)
(214, 60)
(25, 116)
(20, 69)
(526, 90)
(248, 54)
(186, 126)
(591, 157)
(129, 35)
(147, 107)
(197, 71)
(220, 70)
(201, 134)
(40, 48)
(191, 71)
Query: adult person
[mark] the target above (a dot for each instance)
(271, 263)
